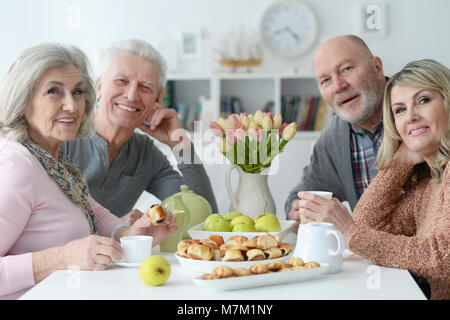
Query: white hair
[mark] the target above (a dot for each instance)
(139, 48)
(18, 83)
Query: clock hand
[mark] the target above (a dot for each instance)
(280, 30)
(293, 34)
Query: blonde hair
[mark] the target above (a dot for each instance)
(428, 74)
(18, 83)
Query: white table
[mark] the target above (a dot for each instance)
(359, 279)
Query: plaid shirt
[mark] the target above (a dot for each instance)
(364, 147)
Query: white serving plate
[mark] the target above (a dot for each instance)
(261, 280)
(197, 232)
(208, 266)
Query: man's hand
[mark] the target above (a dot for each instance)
(166, 127)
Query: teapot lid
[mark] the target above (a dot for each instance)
(185, 188)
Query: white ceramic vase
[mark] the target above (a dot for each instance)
(252, 196)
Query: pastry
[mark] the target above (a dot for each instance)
(199, 252)
(217, 239)
(296, 261)
(207, 276)
(250, 244)
(277, 266)
(222, 272)
(240, 272)
(236, 242)
(156, 214)
(254, 254)
(312, 264)
(266, 241)
(233, 255)
(285, 248)
(182, 248)
(273, 253)
(259, 268)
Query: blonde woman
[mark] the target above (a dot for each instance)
(48, 220)
(403, 218)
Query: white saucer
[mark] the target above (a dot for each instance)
(128, 264)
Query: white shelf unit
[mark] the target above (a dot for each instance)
(253, 89)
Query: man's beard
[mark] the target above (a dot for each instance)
(371, 101)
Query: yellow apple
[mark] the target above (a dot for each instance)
(155, 270)
(242, 219)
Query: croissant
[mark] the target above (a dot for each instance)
(312, 264)
(259, 268)
(199, 252)
(296, 261)
(222, 272)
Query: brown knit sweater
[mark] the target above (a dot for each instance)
(406, 230)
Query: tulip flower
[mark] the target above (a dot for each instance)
(217, 129)
(234, 119)
(266, 122)
(258, 117)
(289, 132)
(277, 121)
(252, 141)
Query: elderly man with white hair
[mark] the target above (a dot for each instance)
(120, 163)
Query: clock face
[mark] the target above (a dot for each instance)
(288, 28)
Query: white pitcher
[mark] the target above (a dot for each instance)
(320, 242)
(252, 196)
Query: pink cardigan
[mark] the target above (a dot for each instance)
(35, 214)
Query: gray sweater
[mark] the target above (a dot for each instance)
(330, 167)
(139, 166)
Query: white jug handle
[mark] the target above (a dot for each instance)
(340, 242)
(228, 185)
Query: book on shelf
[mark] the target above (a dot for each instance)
(309, 112)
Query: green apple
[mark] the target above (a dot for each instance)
(155, 270)
(243, 227)
(268, 222)
(242, 219)
(264, 214)
(211, 218)
(219, 224)
(231, 215)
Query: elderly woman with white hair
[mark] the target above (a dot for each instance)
(48, 220)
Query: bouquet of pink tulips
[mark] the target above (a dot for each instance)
(252, 141)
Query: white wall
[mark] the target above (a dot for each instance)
(415, 28)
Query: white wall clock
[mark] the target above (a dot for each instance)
(288, 28)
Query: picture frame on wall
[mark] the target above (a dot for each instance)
(372, 22)
(190, 45)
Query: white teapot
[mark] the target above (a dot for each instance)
(320, 242)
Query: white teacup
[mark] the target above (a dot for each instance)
(135, 249)
(325, 194)
(320, 242)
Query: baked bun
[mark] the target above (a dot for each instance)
(241, 272)
(285, 248)
(312, 264)
(233, 255)
(199, 252)
(217, 239)
(156, 214)
(296, 261)
(182, 248)
(273, 253)
(222, 272)
(254, 254)
(259, 268)
(266, 241)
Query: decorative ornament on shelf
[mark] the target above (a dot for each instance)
(239, 50)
